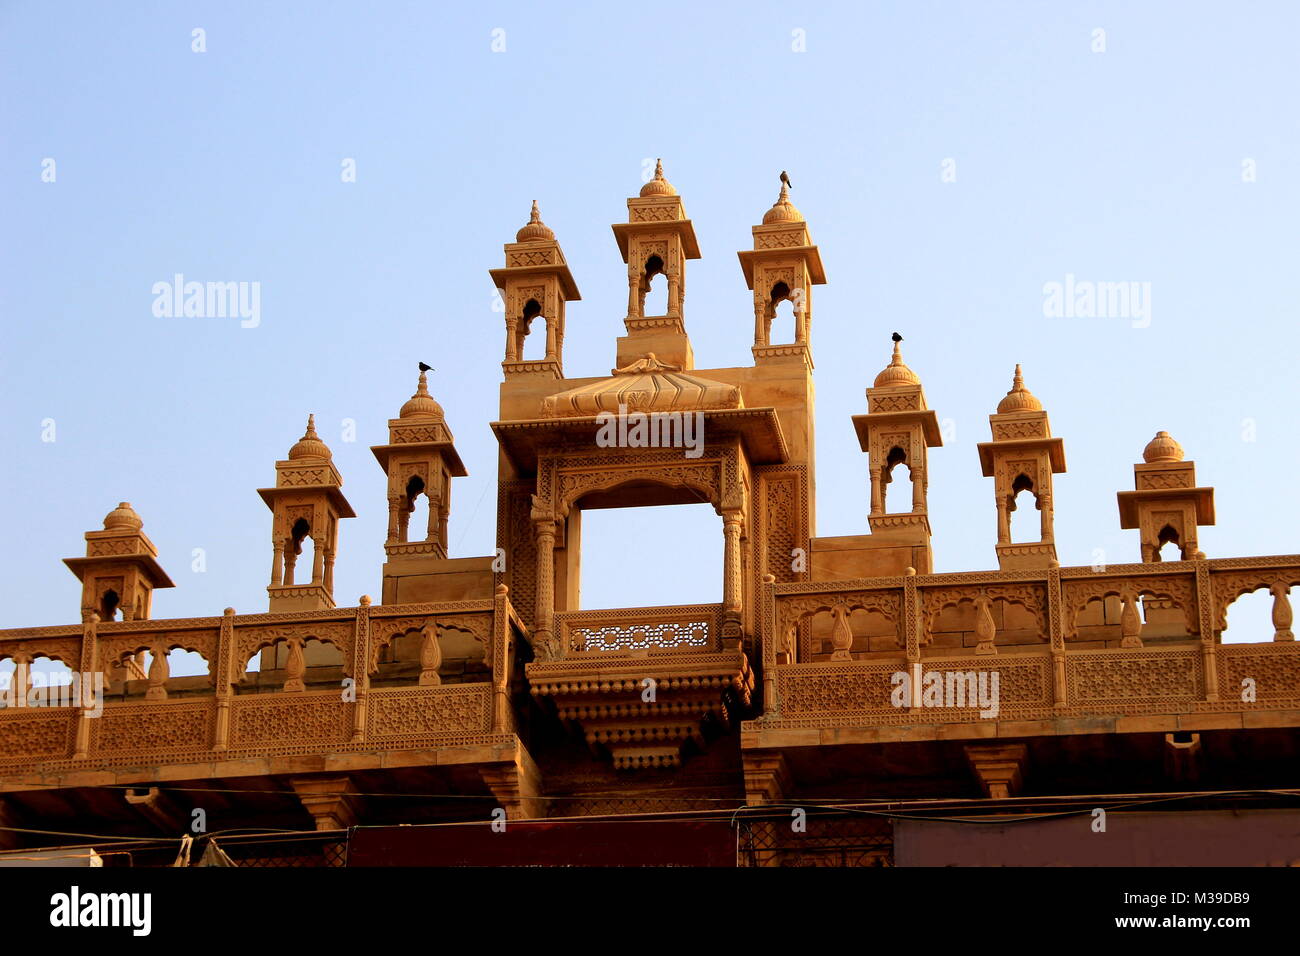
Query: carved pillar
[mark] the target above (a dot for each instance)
(1004, 521)
(317, 561)
(634, 295)
(769, 626)
(89, 665)
(731, 583)
(395, 503)
(277, 564)
(329, 570)
(1056, 635)
(223, 672)
(546, 586)
(502, 661)
(877, 492)
(361, 657)
(550, 338)
(1045, 516)
(760, 331)
(1281, 613)
(1209, 638)
(512, 339)
(918, 487)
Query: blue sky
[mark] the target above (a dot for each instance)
(1122, 165)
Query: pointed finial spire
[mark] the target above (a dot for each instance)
(1018, 380)
(422, 404)
(659, 186)
(783, 210)
(534, 230)
(310, 444)
(896, 372)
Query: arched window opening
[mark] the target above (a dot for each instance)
(108, 605)
(1023, 502)
(414, 488)
(895, 458)
(299, 547)
(1250, 619)
(1167, 545)
(654, 298)
(782, 321)
(532, 335)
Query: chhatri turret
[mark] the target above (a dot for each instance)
(657, 239)
(306, 504)
(1022, 456)
(1166, 505)
(897, 430)
(783, 266)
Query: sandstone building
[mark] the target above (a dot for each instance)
(835, 670)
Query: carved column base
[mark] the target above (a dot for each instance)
(332, 801)
(999, 768)
(517, 787)
(767, 778)
(1184, 759)
(158, 809)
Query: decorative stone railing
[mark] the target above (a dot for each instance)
(1062, 661)
(299, 718)
(640, 630)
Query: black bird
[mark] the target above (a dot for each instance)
(426, 368)
(786, 179)
(896, 337)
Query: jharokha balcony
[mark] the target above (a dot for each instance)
(831, 667)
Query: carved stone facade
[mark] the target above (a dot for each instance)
(831, 667)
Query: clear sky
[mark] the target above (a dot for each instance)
(1172, 158)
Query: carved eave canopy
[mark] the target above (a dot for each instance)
(1055, 448)
(623, 231)
(332, 492)
(758, 429)
(446, 449)
(145, 562)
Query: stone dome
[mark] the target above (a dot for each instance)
(782, 210)
(421, 404)
(1162, 448)
(123, 518)
(309, 445)
(1019, 399)
(534, 230)
(895, 373)
(658, 186)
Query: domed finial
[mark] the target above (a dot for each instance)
(310, 445)
(534, 230)
(123, 518)
(896, 372)
(659, 186)
(421, 404)
(1019, 399)
(1162, 448)
(783, 210)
